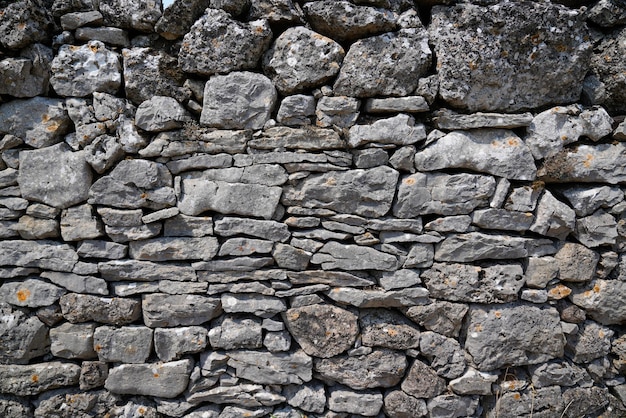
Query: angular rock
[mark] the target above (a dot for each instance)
(364, 298)
(24, 23)
(131, 344)
(79, 223)
(380, 368)
(269, 230)
(587, 401)
(442, 317)
(93, 374)
(144, 271)
(310, 397)
(553, 218)
(446, 356)
(103, 153)
(262, 174)
(502, 219)
(101, 249)
(592, 341)
(365, 402)
(178, 17)
(296, 110)
(478, 246)
(43, 254)
(84, 308)
(576, 263)
(587, 199)
(607, 13)
(361, 192)
(554, 128)
(339, 111)
(513, 335)
(541, 270)
(421, 194)
(30, 293)
(301, 59)
(174, 248)
(29, 227)
(422, 382)
(334, 255)
(272, 368)
(28, 75)
(312, 139)
(598, 229)
(602, 301)
(245, 395)
(81, 70)
(107, 35)
(411, 104)
(259, 305)
(39, 122)
(396, 130)
(24, 337)
(450, 120)
(497, 68)
(200, 162)
(607, 66)
(73, 341)
(233, 332)
(164, 380)
(496, 283)
(322, 330)
(161, 310)
(135, 14)
(493, 151)
(545, 402)
(217, 43)
(161, 113)
(34, 379)
(473, 382)
(14, 407)
(331, 278)
(384, 65)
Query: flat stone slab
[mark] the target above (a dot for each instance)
(603, 301)
(162, 310)
(136, 270)
(174, 248)
(450, 120)
(34, 379)
(334, 255)
(272, 368)
(31, 293)
(43, 254)
(164, 380)
(479, 246)
(83, 308)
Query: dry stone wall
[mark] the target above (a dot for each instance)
(281, 208)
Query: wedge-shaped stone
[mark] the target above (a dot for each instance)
(496, 283)
(164, 380)
(101, 249)
(199, 195)
(73, 341)
(174, 248)
(39, 122)
(445, 355)
(23, 337)
(513, 335)
(334, 255)
(608, 66)
(131, 344)
(235, 332)
(587, 199)
(322, 330)
(161, 113)
(603, 301)
(422, 381)
(188, 226)
(502, 219)
(84, 308)
(361, 192)
(576, 263)
(331, 278)
(144, 271)
(259, 305)
(553, 218)
(444, 194)
(172, 343)
(600, 228)
(30, 293)
(478, 246)
(450, 120)
(388, 329)
(364, 298)
(161, 310)
(442, 317)
(246, 395)
(27, 75)
(272, 368)
(43, 254)
(507, 77)
(55, 176)
(34, 379)
(310, 139)
(381, 368)
(397, 130)
(262, 174)
(494, 151)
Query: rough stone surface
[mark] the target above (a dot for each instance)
(161, 310)
(607, 65)
(18, 380)
(43, 254)
(135, 14)
(601, 301)
(30, 293)
(27, 75)
(383, 328)
(165, 380)
(272, 368)
(131, 344)
(422, 382)
(366, 403)
(73, 341)
(334, 255)
(83, 308)
(160, 113)
(397, 130)
(24, 336)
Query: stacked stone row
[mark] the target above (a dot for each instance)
(277, 208)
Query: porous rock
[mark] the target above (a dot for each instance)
(601, 300)
(24, 336)
(83, 308)
(25, 380)
(162, 310)
(165, 380)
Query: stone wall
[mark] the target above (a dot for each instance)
(281, 208)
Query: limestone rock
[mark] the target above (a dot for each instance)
(600, 228)
(275, 11)
(497, 68)
(24, 22)
(396, 130)
(259, 305)
(24, 336)
(334, 255)
(398, 404)
(361, 192)
(217, 43)
(545, 402)
(422, 382)
(384, 65)
(161, 310)
(446, 356)
(478, 246)
(27, 75)
(37, 378)
(178, 18)
(75, 403)
(387, 329)
(309, 397)
(14, 407)
(322, 330)
(135, 14)
(80, 71)
(79, 223)
(174, 248)
(380, 368)
(592, 341)
(442, 317)
(553, 218)
(576, 263)
(365, 298)
(239, 100)
(513, 335)
(39, 122)
(497, 152)
(272, 368)
(607, 65)
(103, 153)
(587, 199)
(161, 113)
(364, 402)
(165, 380)
(601, 301)
(445, 194)
(502, 219)
(43, 254)
(131, 344)
(234, 332)
(339, 111)
(301, 59)
(450, 120)
(607, 13)
(73, 341)
(134, 270)
(296, 110)
(30, 293)
(83, 308)
(245, 395)
(411, 104)
(269, 230)
(473, 382)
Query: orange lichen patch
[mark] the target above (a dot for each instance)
(517, 396)
(478, 328)
(596, 288)
(23, 294)
(409, 181)
(512, 142)
(472, 65)
(327, 333)
(533, 56)
(144, 195)
(52, 127)
(561, 47)
(392, 332)
(45, 118)
(73, 48)
(93, 48)
(559, 292)
(601, 334)
(21, 25)
(497, 314)
(141, 410)
(331, 181)
(34, 378)
(588, 160)
(495, 143)
(293, 316)
(450, 282)
(156, 375)
(564, 137)
(98, 347)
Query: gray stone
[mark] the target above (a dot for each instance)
(450, 120)
(540, 270)
(247, 395)
(164, 380)
(301, 59)
(259, 305)
(442, 317)
(445, 194)
(272, 368)
(178, 17)
(331, 278)
(104, 152)
(135, 14)
(240, 264)
(576, 263)
(446, 356)
(322, 330)
(34, 379)
(344, 21)
(396, 130)
(560, 373)
(587, 199)
(502, 219)
(364, 402)
(277, 341)
(544, 402)
(23, 23)
(30, 293)
(131, 344)
(245, 246)
(339, 111)
(39, 122)
(586, 164)
(458, 223)
(411, 104)
(275, 11)
(217, 43)
(74, 403)
(384, 65)
(73, 341)
(291, 258)
(554, 128)
(144, 271)
(27, 75)
(75, 20)
(398, 404)
(120, 217)
(602, 301)
(607, 66)
(107, 35)
(79, 223)
(589, 401)
(262, 174)
(494, 151)
(188, 226)
(496, 68)
(236, 412)
(334, 255)
(399, 279)
(160, 215)
(43, 254)
(196, 139)
(383, 328)
(161, 310)
(269, 230)
(377, 298)
(14, 407)
(478, 246)
(200, 162)
(309, 397)
(370, 157)
(553, 218)
(420, 255)
(598, 229)
(497, 283)
(473, 382)
(174, 248)
(296, 110)
(29, 227)
(81, 70)
(84, 308)
(361, 192)
(24, 336)
(312, 139)
(513, 335)
(233, 332)
(523, 199)
(161, 113)
(422, 382)
(592, 341)
(607, 13)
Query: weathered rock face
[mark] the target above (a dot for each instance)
(607, 65)
(487, 57)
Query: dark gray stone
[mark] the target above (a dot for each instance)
(445, 354)
(174, 248)
(27, 75)
(398, 404)
(309, 397)
(334, 255)
(134, 270)
(24, 22)
(479, 246)
(364, 402)
(178, 18)
(84, 308)
(553, 217)
(388, 329)
(33, 379)
(601, 300)
(607, 66)
(422, 382)
(24, 336)
(161, 310)
(442, 317)
(161, 113)
(134, 14)
(43, 254)
(234, 332)
(164, 380)
(272, 368)
(73, 341)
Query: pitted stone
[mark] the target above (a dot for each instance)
(164, 380)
